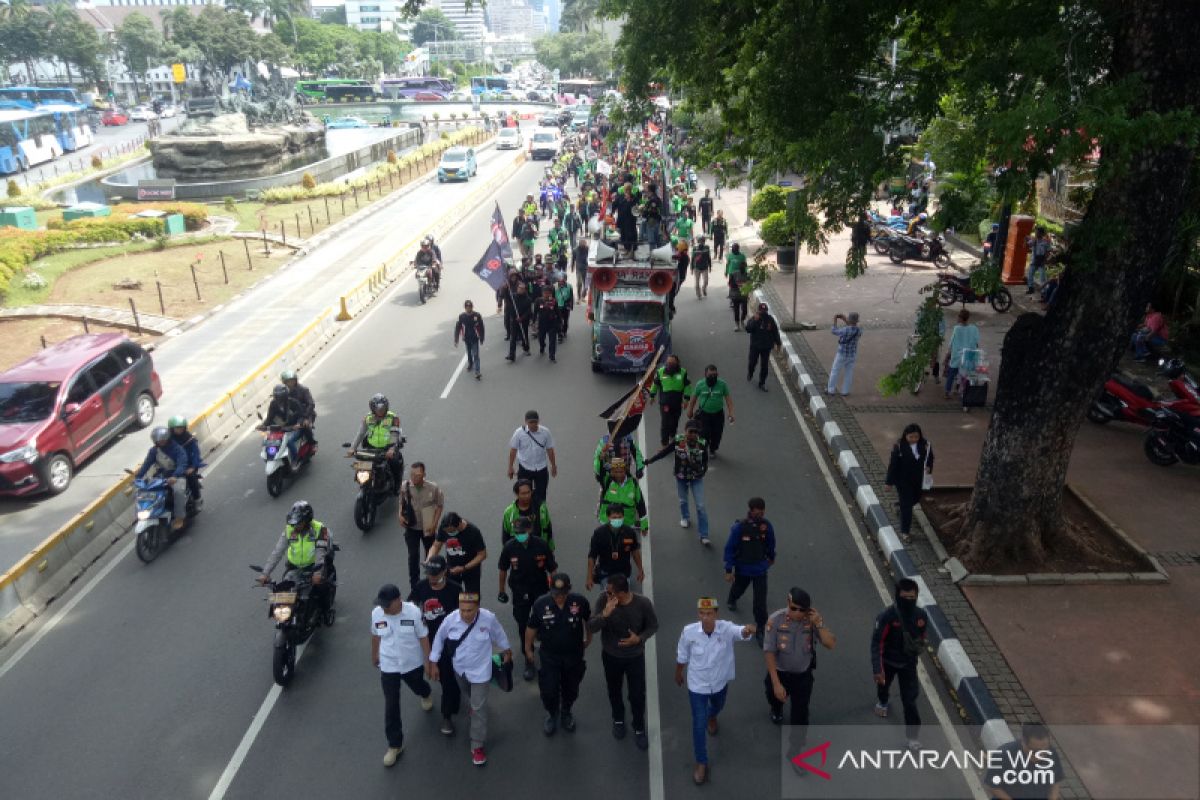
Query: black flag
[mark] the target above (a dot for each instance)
(491, 267)
(500, 234)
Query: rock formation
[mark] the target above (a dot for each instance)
(225, 148)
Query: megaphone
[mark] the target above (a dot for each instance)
(662, 254)
(602, 251)
(661, 281)
(594, 225)
(604, 279)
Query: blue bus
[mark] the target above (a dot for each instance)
(488, 84)
(27, 138)
(71, 125)
(39, 95)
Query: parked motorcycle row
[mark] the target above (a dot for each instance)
(1172, 423)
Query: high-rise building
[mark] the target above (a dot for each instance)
(510, 18)
(467, 21)
(374, 15)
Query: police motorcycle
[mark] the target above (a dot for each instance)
(296, 615)
(282, 457)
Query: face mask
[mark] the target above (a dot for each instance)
(906, 606)
(521, 538)
(711, 380)
(672, 370)
(617, 523)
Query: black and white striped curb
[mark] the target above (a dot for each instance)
(972, 692)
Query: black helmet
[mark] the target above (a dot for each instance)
(301, 513)
(280, 392)
(160, 435)
(378, 401)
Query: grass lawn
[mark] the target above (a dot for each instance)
(93, 283)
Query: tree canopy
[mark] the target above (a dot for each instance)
(576, 55)
(432, 25)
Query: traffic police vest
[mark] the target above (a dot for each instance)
(302, 547)
(379, 431)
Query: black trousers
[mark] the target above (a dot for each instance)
(739, 304)
(451, 694)
(718, 248)
(799, 686)
(541, 481)
(469, 580)
(759, 358)
(564, 319)
(548, 332)
(522, 605)
(391, 681)
(519, 334)
(669, 423)
(759, 582)
(908, 499)
(909, 689)
(712, 428)
(616, 672)
(558, 680)
(418, 547)
(705, 222)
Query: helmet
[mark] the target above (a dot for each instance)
(160, 435)
(377, 402)
(279, 392)
(177, 421)
(301, 513)
(287, 375)
(922, 216)
(426, 242)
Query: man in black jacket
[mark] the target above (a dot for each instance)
(548, 320)
(518, 308)
(469, 328)
(764, 335)
(896, 645)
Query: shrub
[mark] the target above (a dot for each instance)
(776, 230)
(768, 200)
(33, 280)
(308, 181)
(160, 241)
(97, 162)
(230, 204)
(391, 157)
(964, 198)
(13, 189)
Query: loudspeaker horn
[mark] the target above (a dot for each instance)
(594, 226)
(662, 254)
(604, 278)
(601, 252)
(661, 281)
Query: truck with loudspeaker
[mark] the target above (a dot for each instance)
(629, 308)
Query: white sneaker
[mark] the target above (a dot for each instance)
(683, 523)
(389, 758)
(427, 703)
(707, 542)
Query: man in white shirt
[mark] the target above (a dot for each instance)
(400, 650)
(470, 634)
(706, 653)
(532, 449)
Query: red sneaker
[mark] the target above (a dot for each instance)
(478, 757)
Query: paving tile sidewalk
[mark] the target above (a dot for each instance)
(1047, 653)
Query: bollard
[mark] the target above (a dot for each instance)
(328, 219)
(85, 326)
(298, 232)
(311, 228)
(266, 244)
(355, 190)
(224, 271)
(282, 233)
(367, 189)
(195, 280)
(162, 307)
(379, 186)
(137, 323)
(44, 345)
(343, 199)
(249, 263)
(344, 314)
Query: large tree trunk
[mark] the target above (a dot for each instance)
(1054, 365)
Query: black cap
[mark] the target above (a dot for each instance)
(560, 583)
(531, 415)
(388, 594)
(522, 524)
(435, 565)
(451, 520)
(799, 597)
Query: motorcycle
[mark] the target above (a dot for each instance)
(375, 484)
(296, 615)
(908, 248)
(953, 289)
(283, 459)
(1126, 399)
(1172, 437)
(426, 285)
(153, 515)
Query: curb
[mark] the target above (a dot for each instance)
(964, 679)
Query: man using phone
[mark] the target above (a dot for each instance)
(625, 621)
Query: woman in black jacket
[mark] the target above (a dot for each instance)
(911, 461)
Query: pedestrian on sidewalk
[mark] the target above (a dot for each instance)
(612, 549)
(691, 464)
(737, 276)
(764, 336)
(559, 620)
(671, 388)
(910, 472)
(706, 212)
(461, 544)
(526, 565)
(532, 448)
(964, 336)
(1039, 255)
(710, 399)
(701, 266)
(790, 650)
(719, 230)
(896, 645)
(399, 650)
(468, 637)
(469, 328)
(749, 554)
(547, 321)
(437, 596)
(421, 506)
(705, 653)
(625, 622)
(847, 351)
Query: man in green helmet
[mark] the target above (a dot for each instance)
(184, 438)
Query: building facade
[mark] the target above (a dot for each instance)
(374, 15)
(469, 22)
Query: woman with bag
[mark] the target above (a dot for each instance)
(910, 472)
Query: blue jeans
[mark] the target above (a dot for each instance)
(472, 355)
(845, 365)
(951, 374)
(1143, 342)
(704, 706)
(1034, 269)
(697, 487)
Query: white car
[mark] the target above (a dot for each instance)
(459, 97)
(168, 111)
(509, 139)
(141, 114)
(545, 143)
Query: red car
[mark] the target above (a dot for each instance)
(112, 117)
(59, 407)
(428, 96)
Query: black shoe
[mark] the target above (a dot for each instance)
(550, 725)
(618, 730)
(642, 740)
(509, 358)
(567, 720)
(529, 673)
(542, 352)
(762, 387)
(776, 717)
(553, 359)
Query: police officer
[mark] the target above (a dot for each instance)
(380, 430)
(526, 564)
(184, 438)
(559, 620)
(749, 553)
(790, 650)
(309, 548)
(672, 382)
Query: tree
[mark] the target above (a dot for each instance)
(75, 41)
(807, 86)
(140, 43)
(433, 25)
(575, 54)
(578, 16)
(224, 43)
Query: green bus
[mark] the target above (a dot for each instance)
(333, 90)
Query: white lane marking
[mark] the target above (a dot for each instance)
(653, 716)
(935, 700)
(457, 371)
(256, 725)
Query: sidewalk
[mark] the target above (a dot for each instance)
(1047, 653)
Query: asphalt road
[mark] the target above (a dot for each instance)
(207, 360)
(157, 683)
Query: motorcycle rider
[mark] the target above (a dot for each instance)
(309, 548)
(183, 437)
(915, 224)
(308, 406)
(381, 431)
(426, 258)
(170, 461)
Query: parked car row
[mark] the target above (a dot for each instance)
(139, 113)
